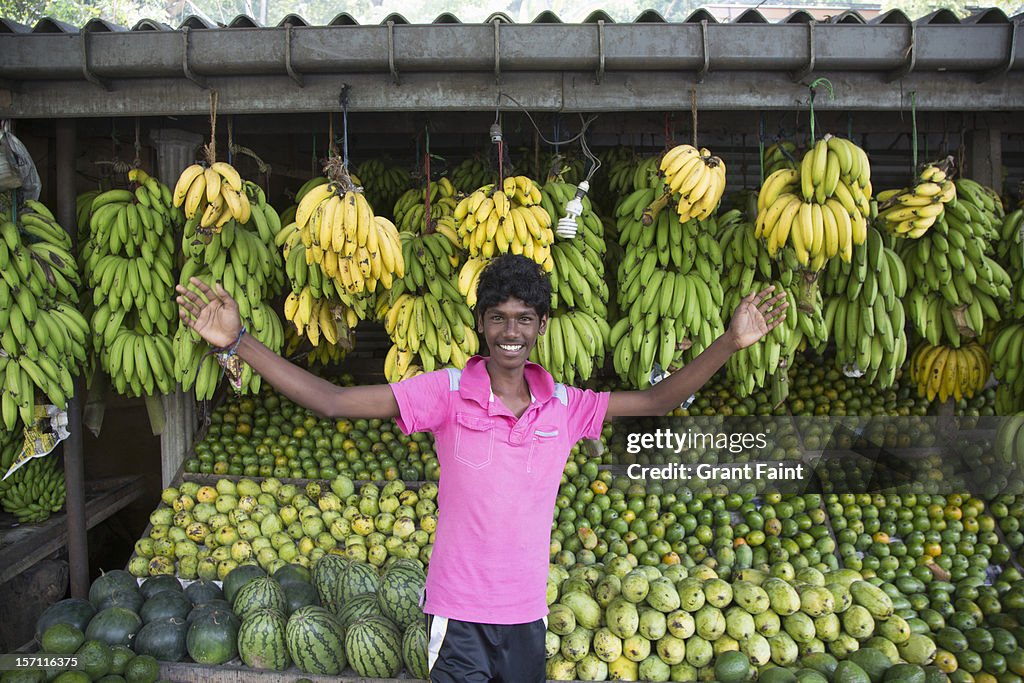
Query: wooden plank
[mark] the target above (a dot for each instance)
(236, 672)
(104, 497)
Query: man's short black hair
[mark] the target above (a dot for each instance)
(513, 275)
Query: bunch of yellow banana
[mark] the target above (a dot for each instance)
(696, 177)
(411, 207)
(439, 332)
(943, 372)
(911, 212)
(339, 231)
(34, 491)
(214, 193)
(317, 317)
(469, 278)
(43, 337)
(1007, 354)
(865, 312)
(508, 219)
(752, 367)
(780, 156)
(574, 344)
(955, 287)
(383, 182)
(139, 363)
(195, 370)
(322, 355)
(475, 171)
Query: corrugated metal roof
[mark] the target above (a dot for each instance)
(991, 15)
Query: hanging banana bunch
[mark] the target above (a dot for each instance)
(474, 172)
(780, 156)
(911, 212)
(943, 372)
(696, 177)
(820, 210)
(1007, 354)
(214, 193)
(43, 337)
(508, 219)
(411, 207)
(383, 183)
(34, 491)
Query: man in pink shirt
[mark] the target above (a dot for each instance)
(503, 431)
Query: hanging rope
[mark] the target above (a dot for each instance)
(429, 225)
(211, 149)
(137, 162)
(913, 124)
(343, 99)
(231, 138)
(760, 145)
(831, 95)
(669, 136)
(693, 113)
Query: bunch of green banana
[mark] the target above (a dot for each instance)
(550, 166)
(744, 258)
(474, 172)
(911, 212)
(1010, 250)
(430, 259)
(578, 278)
(11, 444)
(865, 313)
(44, 339)
(821, 210)
(696, 177)
(1009, 443)
(214, 193)
(411, 207)
(621, 163)
(1007, 353)
(750, 368)
(321, 355)
(34, 491)
(507, 219)
(780, 156)
(139, 363)
(944, 372)
(437, 331)
(384, 183)
(950, 272)
(682, 247)
(574, 344)
(242, 258)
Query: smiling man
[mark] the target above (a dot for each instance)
(503, 430)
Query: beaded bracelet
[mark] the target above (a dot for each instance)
(232, 348)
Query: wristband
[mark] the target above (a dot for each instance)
(231, 348)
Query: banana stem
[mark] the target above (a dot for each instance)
(805, 289)
(652, 210)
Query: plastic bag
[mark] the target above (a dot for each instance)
(17, 170)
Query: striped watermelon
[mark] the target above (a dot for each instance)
(399, 594)
(358, 578)
(374, 647)
(261, 640)
(262, 593)
(326, 573)
(414, 649)
(316, 641)
(364, 605)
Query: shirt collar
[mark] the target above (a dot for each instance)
(476, 383)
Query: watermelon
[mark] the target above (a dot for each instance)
(300, 595)
(114, 626)
(102, 587)
(238, 577)
(202, 591)
(414, 649)
(358, 578)
(261, 640)
(129, 598)
(326, 573)
(206, 608)
(316, 641)
(163, 639)
(364, 605)
(166, 605)
(374, 647)
(74, 611)
(399, 594)
(159, 584)
(213, 637)
(261, 593)
(292, 573)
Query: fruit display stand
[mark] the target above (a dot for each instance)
(26, 544)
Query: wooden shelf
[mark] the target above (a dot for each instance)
(26, 544)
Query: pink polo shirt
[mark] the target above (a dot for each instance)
(499, 479)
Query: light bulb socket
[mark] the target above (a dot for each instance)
(495, 133)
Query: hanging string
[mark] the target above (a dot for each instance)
(137, 162)
(211, 149)
(261, 166)
(668, 131)
(429, 226)
(760, 144)
(231, 137)
(831, 95)
(693, 113)
(913, 123)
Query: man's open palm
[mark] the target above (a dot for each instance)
(214, 315)
(757, 314)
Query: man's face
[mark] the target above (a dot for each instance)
(510, 330)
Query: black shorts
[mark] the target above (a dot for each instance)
(461, 651)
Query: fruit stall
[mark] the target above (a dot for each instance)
(347, 183)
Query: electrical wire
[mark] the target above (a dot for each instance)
(595, 163)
